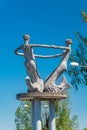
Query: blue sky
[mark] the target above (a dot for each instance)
(49, 22)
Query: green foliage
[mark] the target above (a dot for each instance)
(63, 120)
(85, 129)
(79, 74)
(84, 16)
(23, 117)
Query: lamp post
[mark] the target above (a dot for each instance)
(77, 64)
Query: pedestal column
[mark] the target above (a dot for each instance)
(52, 115)
(36, 115)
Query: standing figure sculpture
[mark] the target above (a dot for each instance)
(33, 80)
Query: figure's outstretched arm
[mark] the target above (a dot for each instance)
(49, 56)
(49, 46)
(19, 53)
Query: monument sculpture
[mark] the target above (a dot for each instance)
(43, 90)
(33, 80)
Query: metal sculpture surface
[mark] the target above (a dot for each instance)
(33, 80)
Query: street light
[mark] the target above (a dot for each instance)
(26, 106)
(77, 64)
(45, 106)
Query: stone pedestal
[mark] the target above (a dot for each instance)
(36, 98)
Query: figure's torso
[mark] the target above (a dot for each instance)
(28, 52)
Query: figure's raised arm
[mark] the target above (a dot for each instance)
(19, 53)
(49, 46)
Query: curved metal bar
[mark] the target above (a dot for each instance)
(48, 56)
(42, 56)
(49, 46)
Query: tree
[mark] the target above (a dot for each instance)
(63, 119)
(79, 74)
(84, 16)
(85, 129)
(23, 116)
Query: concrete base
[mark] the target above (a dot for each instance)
(40, 96)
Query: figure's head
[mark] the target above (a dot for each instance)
(68, 41)
(26, 37)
